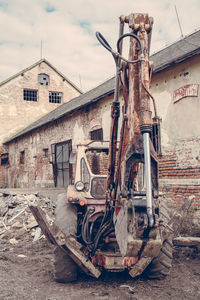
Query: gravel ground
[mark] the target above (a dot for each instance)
(26, 272)
(26, 266)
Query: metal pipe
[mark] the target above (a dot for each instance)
(147, 164)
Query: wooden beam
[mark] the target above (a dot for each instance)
(188, 241)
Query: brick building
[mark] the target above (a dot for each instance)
(28, 95)
(175, 86)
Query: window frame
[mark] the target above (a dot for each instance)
(98, 132)
(30, 97)
(4, 159)
(83, 165)
(95, 195)
(22, 157)
(55, 97)
(45, 152)
(41, 80)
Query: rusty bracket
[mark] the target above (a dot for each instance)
(140, 266)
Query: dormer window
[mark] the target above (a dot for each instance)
(43, 79)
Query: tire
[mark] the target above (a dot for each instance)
(161, 265)
(65, 269)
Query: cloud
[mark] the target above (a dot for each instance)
(67, 30)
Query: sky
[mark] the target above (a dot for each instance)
(67, 31)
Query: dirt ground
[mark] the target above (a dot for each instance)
(26, 272)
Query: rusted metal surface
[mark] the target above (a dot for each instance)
(115, 113)
(140, 266)
(114, 261)
(67, 244)
(113, 144)
(136, 109)
(130, 236)
(135, 148)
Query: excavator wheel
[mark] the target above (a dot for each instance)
(65, 269)
(160, 266)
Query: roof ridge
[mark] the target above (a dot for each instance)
(34, 65)
(182, 38)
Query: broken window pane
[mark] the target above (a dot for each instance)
(55, 97)
(43, 79)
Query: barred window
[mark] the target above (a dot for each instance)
(30, 95)
(55, 97)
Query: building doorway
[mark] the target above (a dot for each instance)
(60, 162)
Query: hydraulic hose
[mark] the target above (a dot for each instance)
(116, 54)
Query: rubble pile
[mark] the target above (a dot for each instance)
(16, 218)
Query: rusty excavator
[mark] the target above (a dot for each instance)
(118, 221)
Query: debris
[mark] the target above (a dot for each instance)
(32, 225)
(37, 235)
(13, 241)
(21, 255)
(17, 225)
(189, 241)
(3, 221)
(129, 287)
(15, 217)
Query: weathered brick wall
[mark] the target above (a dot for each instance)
(179, 173)
(37, 169)
(15, 113)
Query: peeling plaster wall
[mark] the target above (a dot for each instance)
(180, 119)
(180, 160)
